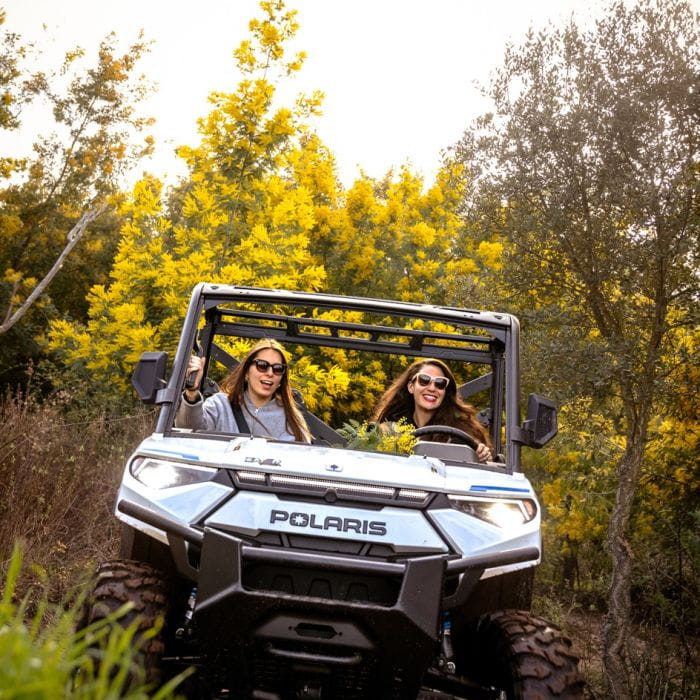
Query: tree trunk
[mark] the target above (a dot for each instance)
(616, 627)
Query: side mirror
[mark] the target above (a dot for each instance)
(540, 426)
(149, 376)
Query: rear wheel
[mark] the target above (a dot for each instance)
(122, 581)
(523, 656)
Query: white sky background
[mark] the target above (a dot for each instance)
(399, 75)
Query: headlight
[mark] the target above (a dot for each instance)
(504, 514)
(163, 474)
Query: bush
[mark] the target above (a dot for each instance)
(45, 655)
(62, 472)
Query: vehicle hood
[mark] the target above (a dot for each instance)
(337, 464)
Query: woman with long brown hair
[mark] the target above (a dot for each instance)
(255, 398)
(426, 394)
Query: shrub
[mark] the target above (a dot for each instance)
(45, 655)
(61, 474)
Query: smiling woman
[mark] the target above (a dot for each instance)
(425, 394)
(256, 398)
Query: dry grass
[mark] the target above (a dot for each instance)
(60, 475)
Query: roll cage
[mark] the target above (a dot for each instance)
(478, 337)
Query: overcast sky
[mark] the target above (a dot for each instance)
(399, 75)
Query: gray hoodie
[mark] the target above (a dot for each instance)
(215, 413)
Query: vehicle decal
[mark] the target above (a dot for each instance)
(498, 488)
(184, 455)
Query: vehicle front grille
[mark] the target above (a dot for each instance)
(370, 496)
(380, 589)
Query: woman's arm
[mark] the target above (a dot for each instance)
(213, 413)
(190, 415)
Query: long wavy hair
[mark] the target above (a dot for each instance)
(235, 385)
(397, 402)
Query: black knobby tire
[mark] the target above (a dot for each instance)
(122, 581)
(525, 656)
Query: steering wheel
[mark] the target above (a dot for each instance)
(463, 437)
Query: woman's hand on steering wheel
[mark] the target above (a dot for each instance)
(483, 453)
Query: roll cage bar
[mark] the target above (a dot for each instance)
(498, 347)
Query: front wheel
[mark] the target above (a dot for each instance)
(123, 581)
(523, 656)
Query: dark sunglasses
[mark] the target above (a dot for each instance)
(263, 365)
(425, 380)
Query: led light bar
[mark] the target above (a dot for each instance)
(337, 486)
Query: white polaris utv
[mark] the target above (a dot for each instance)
(292, 570)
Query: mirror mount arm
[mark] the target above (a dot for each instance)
(167, 395)
(524, 435)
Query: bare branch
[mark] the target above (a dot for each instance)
(75, 234)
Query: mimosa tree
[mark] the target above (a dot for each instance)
(240, 216)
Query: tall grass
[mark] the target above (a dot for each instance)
(45, 655)
(59, 474)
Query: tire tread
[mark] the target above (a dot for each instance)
(538, 656)
(123, 581)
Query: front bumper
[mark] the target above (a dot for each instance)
(266, 614)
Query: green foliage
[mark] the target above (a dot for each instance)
(240, 218)
(601, 201)
(262, 206)
(45, 656)
(587, 166)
